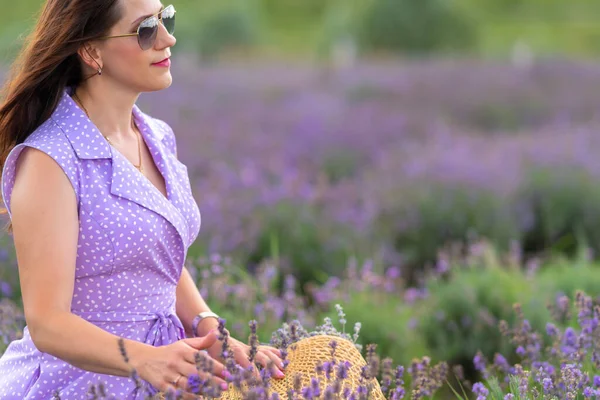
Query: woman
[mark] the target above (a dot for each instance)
(101, 210)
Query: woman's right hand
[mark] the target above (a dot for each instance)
(175, 362)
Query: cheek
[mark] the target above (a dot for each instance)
(127, 57)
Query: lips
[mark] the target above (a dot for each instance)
(161, 61)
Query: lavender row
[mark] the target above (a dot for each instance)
(353, 146)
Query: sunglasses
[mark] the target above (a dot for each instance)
(148, 28)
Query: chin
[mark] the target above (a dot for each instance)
(160, 84)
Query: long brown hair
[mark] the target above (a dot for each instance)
(47, 64)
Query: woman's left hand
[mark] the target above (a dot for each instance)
(241, 353)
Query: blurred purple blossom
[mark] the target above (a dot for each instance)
(6, 289)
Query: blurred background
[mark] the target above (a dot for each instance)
(425, 163)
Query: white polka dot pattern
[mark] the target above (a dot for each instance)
(130, 253)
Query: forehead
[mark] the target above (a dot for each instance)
(133, 10)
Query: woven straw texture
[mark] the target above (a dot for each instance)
(303, 359)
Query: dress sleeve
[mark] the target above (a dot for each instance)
(62, 155)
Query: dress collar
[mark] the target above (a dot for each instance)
(89, 144)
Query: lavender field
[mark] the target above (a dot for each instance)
(452, 207)
(387, 161)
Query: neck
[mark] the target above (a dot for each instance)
(109, 108)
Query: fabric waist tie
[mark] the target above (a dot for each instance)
(166, 329)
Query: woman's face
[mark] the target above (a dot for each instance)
(124, 60)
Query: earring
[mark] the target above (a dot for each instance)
(99, 67)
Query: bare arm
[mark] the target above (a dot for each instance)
(190, 303)
(45, 230)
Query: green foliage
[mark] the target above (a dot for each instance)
(431, 216)
(567, 278)
(290, 26)
(464, 312)
(386, 322)
(416, 26)
(293, 11)
(339, 26)
(227, 29)
(305, 243)
(341, 163)
(564, 207)
(554, 211)
(507, 114)
(548, 27)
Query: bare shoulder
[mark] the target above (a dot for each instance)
(41, 184)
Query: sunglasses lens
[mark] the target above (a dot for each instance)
(147, 33)
(168, 19)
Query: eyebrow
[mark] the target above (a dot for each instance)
(143, 17)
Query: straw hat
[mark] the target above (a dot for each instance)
(303, 358)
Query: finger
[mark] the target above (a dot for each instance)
(201, 359)
(275, 356)
(189, 366)
(179, 383)
(265, 359)
(241, 357)
(262, 359)
(275, 371)
(202, 342)
(184, 384)
(277, 368)
(272, 349)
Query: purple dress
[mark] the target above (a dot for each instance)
(131, 249)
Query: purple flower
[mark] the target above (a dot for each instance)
(479, 362)
(588, 392)
(328, 368)
(319, 368)
(573, 377)
(362, 390)
(562, 303)
(316, 390)
(5, 289)
(393, 273)
(194, 384)
(481, 391)
(551, 330)
(542, 369)
(398, 393)
(411, 295)
(547, 385)
(307, 393)
(3, 255)
(501, 362)
(343, 368)
(570, 338)
(442, 266)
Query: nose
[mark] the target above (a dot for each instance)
(164, 38)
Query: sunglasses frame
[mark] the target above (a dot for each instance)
(140, 25)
